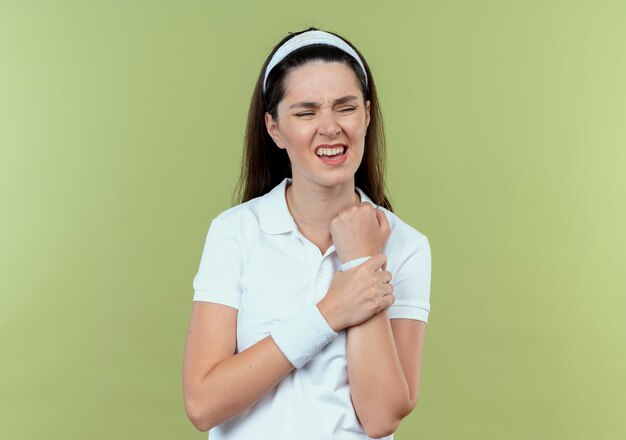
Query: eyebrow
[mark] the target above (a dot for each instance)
(309, 104)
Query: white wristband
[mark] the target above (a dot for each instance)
(353, 263)
(303, 335)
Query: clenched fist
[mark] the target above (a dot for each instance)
(359, 231)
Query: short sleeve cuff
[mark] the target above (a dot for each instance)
(216, 297)
(408, 312)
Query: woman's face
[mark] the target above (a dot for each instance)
(321, 112)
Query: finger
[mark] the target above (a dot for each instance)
(384, 276)
(386, 302)
(383, 222)
(376, 262)
(369, 211)
(386, 289)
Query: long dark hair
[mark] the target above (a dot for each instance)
(264, 165)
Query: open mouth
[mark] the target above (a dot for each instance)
(331, 152)
(332, 156)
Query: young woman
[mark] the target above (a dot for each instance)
(312, 296)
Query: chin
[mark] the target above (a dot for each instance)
(336, 180)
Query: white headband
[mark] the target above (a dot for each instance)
(306, 39)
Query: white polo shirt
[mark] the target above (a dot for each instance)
(256, 261)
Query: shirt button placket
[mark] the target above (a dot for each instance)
(323, 279)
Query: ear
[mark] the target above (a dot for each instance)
(272, 130)
(367, 113)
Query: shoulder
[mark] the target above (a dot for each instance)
(244, 214)
(239, 223)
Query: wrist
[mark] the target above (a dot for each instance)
(353, 263)
(327, 312)
(344, 257)
(302, 336)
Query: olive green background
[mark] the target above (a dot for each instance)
(121, 127)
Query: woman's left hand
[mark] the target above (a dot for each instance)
(359, 231)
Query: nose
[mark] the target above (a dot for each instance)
(328, 125)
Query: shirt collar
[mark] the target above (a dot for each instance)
(274, 215)
(365, 197)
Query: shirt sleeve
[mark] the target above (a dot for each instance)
(218, 278)
(411, 280)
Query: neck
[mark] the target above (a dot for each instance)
(313, 207)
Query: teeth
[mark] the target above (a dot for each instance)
(330, 151)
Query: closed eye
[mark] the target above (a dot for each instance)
(343, 110)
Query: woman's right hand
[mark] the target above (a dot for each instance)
(357, 294)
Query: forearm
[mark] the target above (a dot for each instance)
(379, 390)
(237, 383)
